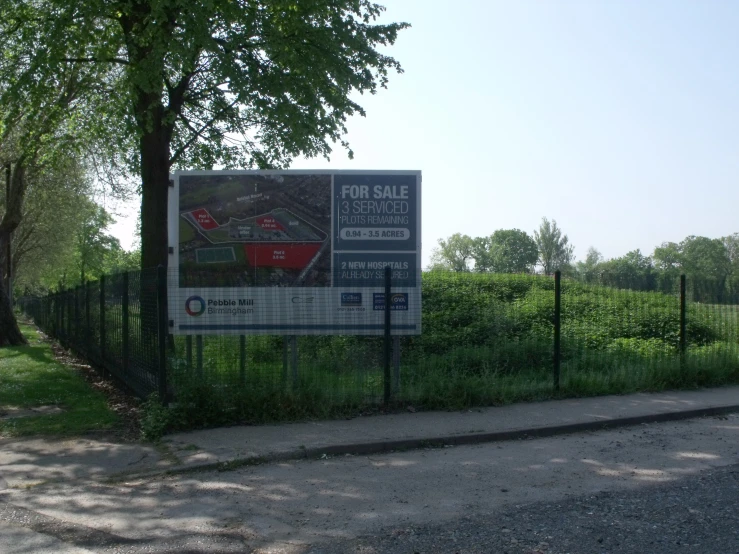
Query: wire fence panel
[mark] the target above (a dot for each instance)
(618, 340)
(113, 315)
(487, 339)
(141, 327)
(712, 331)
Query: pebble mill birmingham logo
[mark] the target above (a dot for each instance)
(195, 306)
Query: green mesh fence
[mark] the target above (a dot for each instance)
(486, 339)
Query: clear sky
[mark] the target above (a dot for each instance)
(619, 119)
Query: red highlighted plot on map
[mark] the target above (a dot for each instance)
(203, 219)
(286, 255)
(276, 239)
(269, 223)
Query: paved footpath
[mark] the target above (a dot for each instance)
(25, 462)
(638, 487)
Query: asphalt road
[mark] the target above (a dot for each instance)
(671, 487)
(697, 515)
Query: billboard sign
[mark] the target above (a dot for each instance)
(294, 252)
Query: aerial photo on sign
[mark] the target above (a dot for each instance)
(255, 230)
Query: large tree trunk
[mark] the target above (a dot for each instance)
(154, 241)
(155, 189)
(10, 334)
(154, 147)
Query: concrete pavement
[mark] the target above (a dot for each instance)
(25, 462)
(382, 433)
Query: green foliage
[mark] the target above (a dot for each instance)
(633, 271)
(65, 242)
(210, 402)
(586, 271)
(710, 265)
(641, 348)
(453, 253)
(508, 319)
(505, 251)
(555, 250)
(509, 251)
(487, 339)
(502, 357)
(237, 84)
(155, 420)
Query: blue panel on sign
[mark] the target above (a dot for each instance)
(376, 212)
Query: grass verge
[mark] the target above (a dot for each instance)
(31, 377)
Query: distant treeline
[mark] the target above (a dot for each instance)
(711, 265)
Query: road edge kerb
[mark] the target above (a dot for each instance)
(385, 446)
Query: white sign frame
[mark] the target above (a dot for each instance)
(266, 310)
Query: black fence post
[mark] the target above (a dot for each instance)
(557, 326)
(88, 325)
(63, 320)
(102, 324)
(124, 327)
(59, 328)
(163, 328)
(57, 315)
(285, 356)
(199, 354)
(396, 365)
(683, 327)
(294, 359)
(242, 359)
(68, 332)
(76, 323)
(65, 309)
(388, 336)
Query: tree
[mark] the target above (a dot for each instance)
(632, 271)
(93, 244)
(731, 243)
(667, 259)
(44, 240)
(41, 123)
(706, 262)
(555, 251)
(453, 253)
(482, 254)
(505, 251)
(234, 82)
(587, 270)
(63, 233)
(514, 251)
(668, 256)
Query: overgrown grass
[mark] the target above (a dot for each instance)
(487, 340)
(31, 377)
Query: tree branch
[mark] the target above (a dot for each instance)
(198, 133)
(96, 60)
